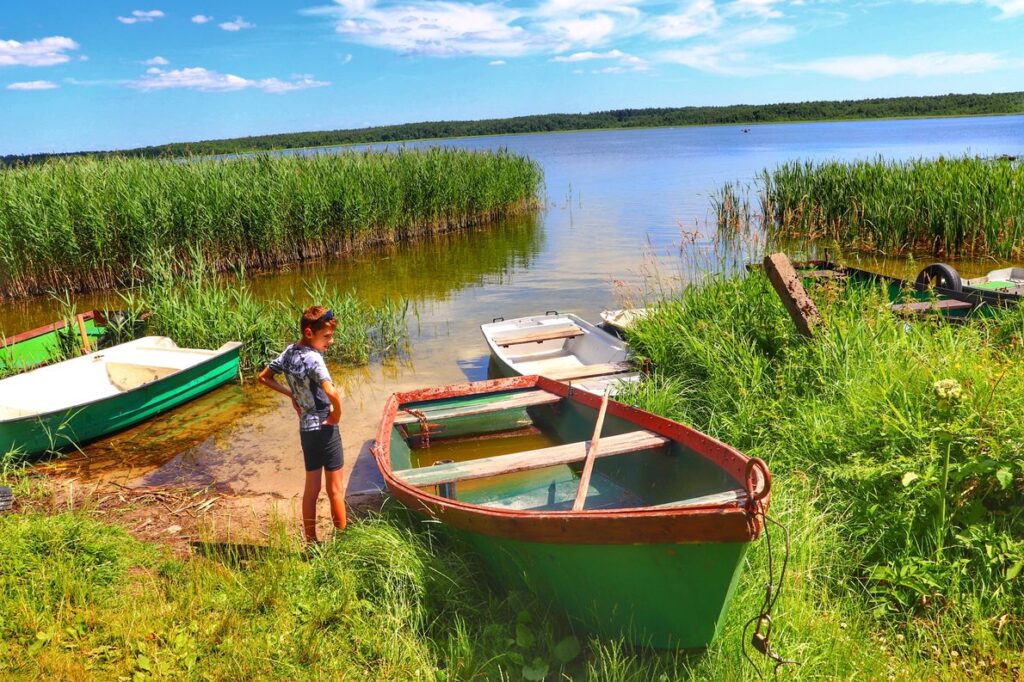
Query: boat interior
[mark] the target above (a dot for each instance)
(524, 450)
(1010, 280)
(95, 376)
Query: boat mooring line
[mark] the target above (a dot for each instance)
(761, 639)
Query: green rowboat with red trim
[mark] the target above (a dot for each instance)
(50, 342)
(654, 555)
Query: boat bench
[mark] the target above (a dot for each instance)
(548, 333)
(585, 371)
(531, 459)
(931, 306)
(126, 376)
(514, 401)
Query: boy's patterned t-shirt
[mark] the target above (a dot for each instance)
(305, 371)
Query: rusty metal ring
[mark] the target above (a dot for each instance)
(754, 494)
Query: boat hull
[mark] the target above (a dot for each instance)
(671, 595)
(78, 425)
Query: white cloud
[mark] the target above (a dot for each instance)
(720, 59)
(587, 56)
(497, 62)
(627, 62)
(43, 52)
(346, 59)
(237, 25)
(871, 67)
(156, 61)
(201, 19)
(699, 17)
(434, 27)
(762, 9)
(204, 80)
(33, 85)
(581, 31)
(140, 16)
(1008, 9)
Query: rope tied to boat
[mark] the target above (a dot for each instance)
(758, 483)
(424, 425)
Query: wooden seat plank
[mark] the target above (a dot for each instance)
(514, 401)
(928, 306)
(588, 371)
(531, 459)
(548, 333)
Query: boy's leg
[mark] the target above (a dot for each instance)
(336, 494)
(309, 497)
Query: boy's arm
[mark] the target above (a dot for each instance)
(335, 398)
(267, 378)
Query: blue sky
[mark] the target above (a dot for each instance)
(102, 75)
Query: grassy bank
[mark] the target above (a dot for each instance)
(959, 207)
(896, 454)
(910, 435)
(84, 224)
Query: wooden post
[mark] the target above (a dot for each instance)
(588, 464)
(791, 290)
(81, 330)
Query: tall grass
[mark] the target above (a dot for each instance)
(911, 433)
(959, 206)
(199, 309)
(85, 224)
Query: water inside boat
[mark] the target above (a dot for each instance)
(542, 427)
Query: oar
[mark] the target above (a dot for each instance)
(588, 465)
(85, 337)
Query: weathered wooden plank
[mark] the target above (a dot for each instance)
(791, 290)
(928, 306)
(737, 495)
(531, 459)
(548, 333)
(588, 371)
(515, 401)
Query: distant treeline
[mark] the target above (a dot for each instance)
(941, 105)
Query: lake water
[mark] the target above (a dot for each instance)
(621, 212)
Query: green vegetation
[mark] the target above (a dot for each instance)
(941, 105)
(905, 440)
(961, 207)
(84, 224)
(897, 470)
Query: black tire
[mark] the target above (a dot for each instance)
(940, 276)
(6, 498)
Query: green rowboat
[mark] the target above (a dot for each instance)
(50, 342)
(72, 402)
(654, 555)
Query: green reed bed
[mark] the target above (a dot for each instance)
(906, 439)
(89, 223)
(957, 206)
(201, 310)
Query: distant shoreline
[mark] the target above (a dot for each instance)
(739, 115)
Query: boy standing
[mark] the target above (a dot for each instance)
(318, 405)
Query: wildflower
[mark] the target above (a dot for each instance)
(948, 392)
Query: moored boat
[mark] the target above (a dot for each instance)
(621, 320)
(51, 342)
(69, 403)
(657, 548)
(559, 346)
(1006, 281)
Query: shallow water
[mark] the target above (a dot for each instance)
(624, 216)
